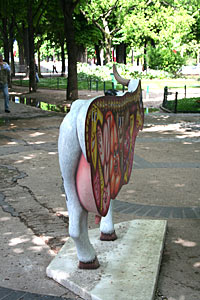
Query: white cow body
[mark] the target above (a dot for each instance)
(71, 145)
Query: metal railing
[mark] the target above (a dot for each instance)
(171, 94)
(86, 83)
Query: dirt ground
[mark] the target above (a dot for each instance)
(33, 216)
(51, 96)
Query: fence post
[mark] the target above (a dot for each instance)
(97, 85)
(176, 102)
(147, 94)
(165, 95)
(185, 91)
(90, 83)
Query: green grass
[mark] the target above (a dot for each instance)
(50, 83)
(61, 83)
(170, 83)
(185, 105)
(84, 83)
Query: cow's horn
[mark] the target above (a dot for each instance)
(119, 79)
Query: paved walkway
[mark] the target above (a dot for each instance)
(33, 217)
(9, 294)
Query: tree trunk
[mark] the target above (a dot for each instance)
(11, 40)
(12, 60)
(125, 53)
(21, 52)
(37, 48)
(39, 67)
(72, 83)
(145, 54)
(26, 47)
(63, 58)
(121, 53)
(198, 57)
(81, 54)
(32, 81)
(6, 44)
(108, 48)
(98, 55)
(5, 39)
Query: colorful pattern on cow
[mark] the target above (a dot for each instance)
(112, 124)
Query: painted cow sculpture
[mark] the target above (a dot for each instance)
(96, 149)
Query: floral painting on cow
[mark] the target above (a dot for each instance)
(112, 124)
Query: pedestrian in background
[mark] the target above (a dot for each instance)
(4, 72)
(54, 67)
(36, 73)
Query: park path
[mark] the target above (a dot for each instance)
(33, 216)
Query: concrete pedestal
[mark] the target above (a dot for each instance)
(129, 266)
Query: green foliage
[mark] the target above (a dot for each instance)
(165, 59)
(160, 23)
(89, 36)
(175, 24)
(93, 73)
(108, 17)
(103, 73)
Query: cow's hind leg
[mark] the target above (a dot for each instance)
(107, 226)
(69, 155)
(78, 228)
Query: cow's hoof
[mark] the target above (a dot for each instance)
(108, 237)
(89, 265)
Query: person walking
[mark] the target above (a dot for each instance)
(36, 73)
(54, 67)
(4, 71)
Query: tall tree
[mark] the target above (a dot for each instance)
(56, 33)
(32, 82)
(4, 26)
(68, 7)
(107, 16)
(157, 23)
(35, 11)
(86, 35)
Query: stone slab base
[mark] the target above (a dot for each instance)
(129, 266)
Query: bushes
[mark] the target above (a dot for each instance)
(102, 73)
(165, 59)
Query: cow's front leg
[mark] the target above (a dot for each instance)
(107, 226)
